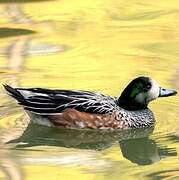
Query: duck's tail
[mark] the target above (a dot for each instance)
(14, 93)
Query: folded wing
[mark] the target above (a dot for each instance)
(45, 101)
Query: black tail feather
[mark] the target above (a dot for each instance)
(14, 93)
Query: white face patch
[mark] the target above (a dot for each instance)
(153, 93)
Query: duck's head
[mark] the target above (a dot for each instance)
(140, 92)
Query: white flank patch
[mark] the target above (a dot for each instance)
(38, 119)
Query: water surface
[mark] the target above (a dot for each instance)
(97, 46)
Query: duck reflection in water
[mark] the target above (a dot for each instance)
(135, 145)
(145, 151)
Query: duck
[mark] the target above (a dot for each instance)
(92, 110)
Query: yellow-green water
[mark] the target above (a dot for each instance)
(90, 45)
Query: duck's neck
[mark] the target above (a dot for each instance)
(130, 104)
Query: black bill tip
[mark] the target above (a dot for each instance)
(166, 92)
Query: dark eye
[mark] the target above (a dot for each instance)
(147, 87)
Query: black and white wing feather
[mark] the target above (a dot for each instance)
(45, 101)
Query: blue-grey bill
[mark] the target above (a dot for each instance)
(167, 92)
